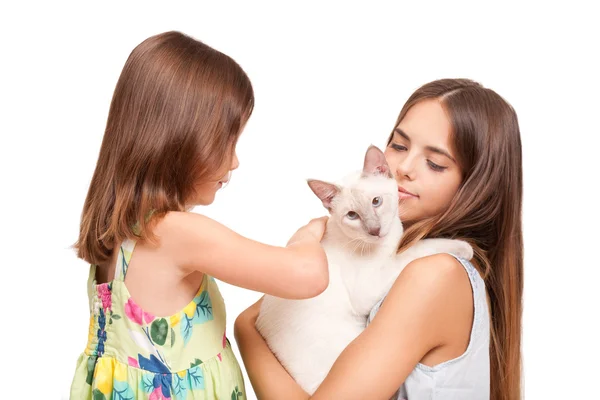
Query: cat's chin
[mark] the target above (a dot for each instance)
(373, 240)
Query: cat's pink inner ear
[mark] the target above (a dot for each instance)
(375, 162)
(324, 191)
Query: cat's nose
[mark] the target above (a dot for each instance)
(374, 231)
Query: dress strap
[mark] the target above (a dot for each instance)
(125, 252)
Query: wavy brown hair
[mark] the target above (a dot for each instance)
(177, 111)
(486, 212)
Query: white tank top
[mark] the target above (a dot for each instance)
(465, 377)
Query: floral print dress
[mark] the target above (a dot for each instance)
(131, 354)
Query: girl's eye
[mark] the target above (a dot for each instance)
(377, 201)
(435, 167)
(352, 215)
(398, 147)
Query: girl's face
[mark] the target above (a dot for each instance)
(421, 157)
(206, 191)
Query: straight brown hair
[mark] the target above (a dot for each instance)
(177, 111)
(486, 212)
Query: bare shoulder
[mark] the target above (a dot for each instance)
(183, 228)
(439, 284)
(440, 271)
(178, 232)
(176, 221)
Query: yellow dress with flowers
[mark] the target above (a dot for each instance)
(132, 354)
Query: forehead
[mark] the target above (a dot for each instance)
(428, 124)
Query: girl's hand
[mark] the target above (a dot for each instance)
(314, 230)
(297, 271)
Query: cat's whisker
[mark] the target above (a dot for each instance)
(363, 247)
(347, 244)
(358, 244)
(354, 240)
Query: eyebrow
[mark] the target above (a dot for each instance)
(433, 149)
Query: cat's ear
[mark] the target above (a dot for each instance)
(375, 163)
(324, 191)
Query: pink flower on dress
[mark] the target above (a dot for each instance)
(133, 362)
(224, 341)
(136, 314)
(157, 394)
(104, 294)
(220, 358)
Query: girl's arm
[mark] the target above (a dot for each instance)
(419, 314)
(296, 271)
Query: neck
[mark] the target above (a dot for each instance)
(408, 224)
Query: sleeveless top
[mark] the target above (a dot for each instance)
(132, 354)
(465, 377)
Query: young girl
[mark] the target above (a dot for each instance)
(157, 325)
(440, 333)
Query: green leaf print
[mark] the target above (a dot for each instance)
(159, 331)
(116, 316)
(179, 388)
(122, 391)
(172, 337)
(196, 362)
(236, 393)
(186, 329)
(124, 264)
(196, 378)
(91, 366)
(203, 308)
(97, 395)
(147, 383)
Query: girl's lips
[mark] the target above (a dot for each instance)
(225, 180)
(405, 194)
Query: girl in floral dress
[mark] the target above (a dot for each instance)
(157, 319)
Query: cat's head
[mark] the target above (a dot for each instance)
(363, 205)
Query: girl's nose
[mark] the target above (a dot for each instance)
(235, 163)
(405, 168)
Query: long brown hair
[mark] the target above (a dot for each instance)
(177, 110)
(486, 211)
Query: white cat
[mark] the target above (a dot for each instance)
(361, 239)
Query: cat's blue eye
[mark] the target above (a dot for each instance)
(377, 201)
(352, 215)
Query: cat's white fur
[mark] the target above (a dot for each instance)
(307, 336)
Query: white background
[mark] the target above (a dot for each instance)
(329, 80)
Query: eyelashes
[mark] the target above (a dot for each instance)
(434, 167)
(398, 147)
